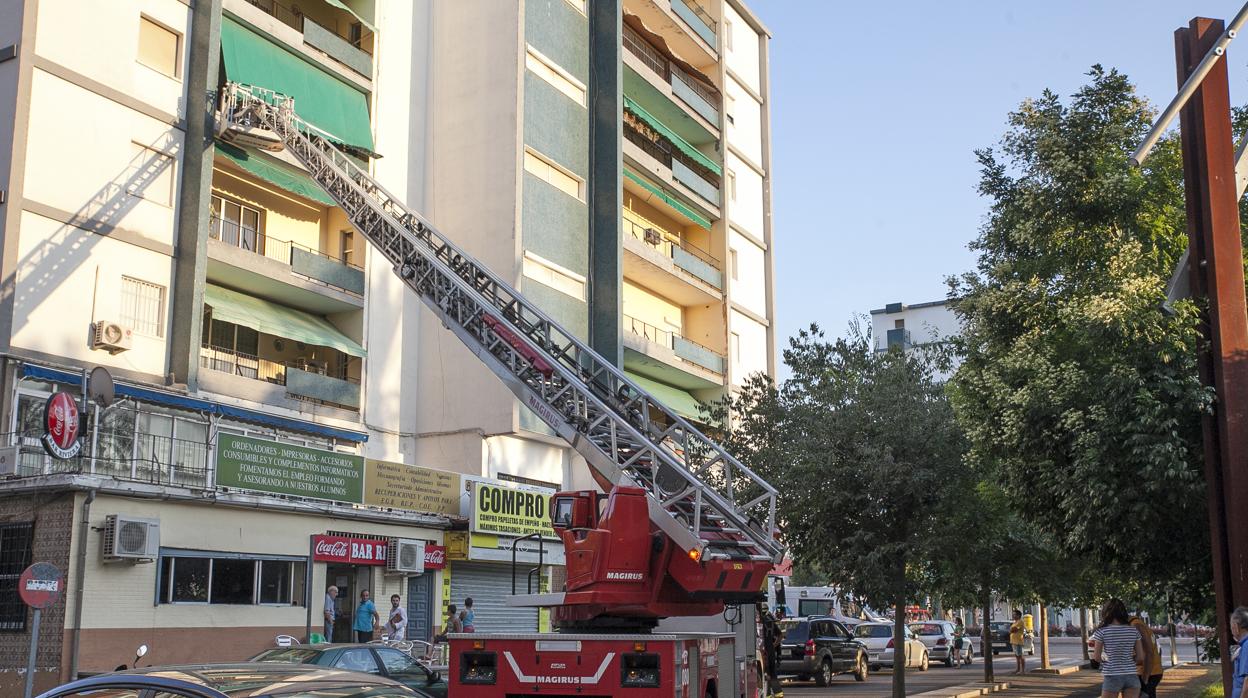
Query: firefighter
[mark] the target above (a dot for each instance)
(771, 652)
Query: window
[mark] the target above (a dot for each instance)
(357, 660)
(550, 274)
(732, 263)
(150, 175)
(231, 579)
(727, 34)
(735, 348)
(347, 247)
(559, 78)
(553, 174)
(732, 185)
(398, 663)
(236, 224)
(143, 306)
(899, 324)
(16, 542)
(158, 47)
(730, 105)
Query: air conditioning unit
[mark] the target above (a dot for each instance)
(9, 457)
(130, 538)
(405, 556)
(113, 336)
(652, 236)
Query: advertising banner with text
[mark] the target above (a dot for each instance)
(510, 511)
(412, 488)
(269, 466)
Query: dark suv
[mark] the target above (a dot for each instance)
(820, 647)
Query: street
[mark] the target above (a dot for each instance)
(1063, 652)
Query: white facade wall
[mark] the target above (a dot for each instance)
(750, 353)
(745, 128)
(746, 203)
(740, 45)
(929, 323)
(749, 285)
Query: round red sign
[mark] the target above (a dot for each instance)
(60, 416)
(40, 585)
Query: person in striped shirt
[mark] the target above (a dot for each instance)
(1116, 647)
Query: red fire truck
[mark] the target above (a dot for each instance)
(684, 529)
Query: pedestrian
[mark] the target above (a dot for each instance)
(331, 612)
(396, 624)
(1149, 666)
(1239, 630)
(771, 652)
(1018, 632)
(1116, 646)
(470, 618)
(366, 618)
(959, 637)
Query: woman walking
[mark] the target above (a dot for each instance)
(1116, 646)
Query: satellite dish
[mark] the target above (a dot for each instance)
(100, 386)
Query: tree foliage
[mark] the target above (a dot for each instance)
(1077, 390)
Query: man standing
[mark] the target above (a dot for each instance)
(396, 624)
(331, 612)
(1239, 630)
(771, 646)
(1017, 631)
(366, 618)
(1148, 666)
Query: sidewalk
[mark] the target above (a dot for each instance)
(1183, 681)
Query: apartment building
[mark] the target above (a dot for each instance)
(907, 325)
(613, 159)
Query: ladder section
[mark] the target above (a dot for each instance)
(704, 499)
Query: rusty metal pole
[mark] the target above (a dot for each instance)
(1216, 273)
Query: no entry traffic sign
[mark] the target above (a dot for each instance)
(40, 585)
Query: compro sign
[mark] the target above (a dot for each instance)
(509, 511)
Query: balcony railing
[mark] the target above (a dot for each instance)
(137, 457)
(304, 379)
(685, 169)
(685, 348)
(346, 49)
(302, 259)
(295, 20)
(684, 254)
(698, 20)
(701, 98)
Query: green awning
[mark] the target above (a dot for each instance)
(275, 172)
(672, 136)
(669, 200)
(333, 106)
(278, 320)
(343, 6)
(674, 399)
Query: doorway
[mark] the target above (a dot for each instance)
(420, 607)
(350, 580)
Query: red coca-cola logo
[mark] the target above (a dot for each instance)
(331, 548)
(60, 415)
(354, 551)
(435, 557)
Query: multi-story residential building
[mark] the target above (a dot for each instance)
(277, 389)
(906, 326)
(612, 158)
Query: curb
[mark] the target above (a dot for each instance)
(970, 690)
(1061, 670)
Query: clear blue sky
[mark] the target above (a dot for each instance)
(877, 107)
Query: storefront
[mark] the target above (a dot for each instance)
(500, 514)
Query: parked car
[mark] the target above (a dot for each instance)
(937, 636)
(378, 660)
(878, 638)
(822, 648)
(234, 681)
(1000, 631)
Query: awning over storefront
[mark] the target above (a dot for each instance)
(161, 397)
(674, 399)
(333, 106)
(672, 136)
(279, 174)
(278, 320)
(670, 200)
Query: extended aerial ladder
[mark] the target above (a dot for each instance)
(713, 508)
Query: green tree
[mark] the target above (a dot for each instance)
(859, 445)
(1077, 391)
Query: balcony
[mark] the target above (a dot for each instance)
(674, 83)
(672, 160)
(339, 34)
(898, 337)
(305, 263)
(121, 454)
(698, 20)
(681, 361)
(304, 379)
(674, 268)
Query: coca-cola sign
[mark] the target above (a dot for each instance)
(352, 551)
(60, 418)
(435, 557)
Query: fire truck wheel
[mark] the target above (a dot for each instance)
(860, 672)
(824, 677)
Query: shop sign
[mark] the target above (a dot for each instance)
(60, 419)
(487, 547)
(269, 466)
(351, 551)
(435, 557)
(412, 488)
(456, 545)
(510, 511)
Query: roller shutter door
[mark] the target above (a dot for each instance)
(489, 585)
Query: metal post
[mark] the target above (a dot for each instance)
(30, 659)
(1044, 637)
(1216, 272)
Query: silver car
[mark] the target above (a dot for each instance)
(878, 639)
(937, 636)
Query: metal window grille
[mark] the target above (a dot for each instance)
(15, 556)
(142, 306)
